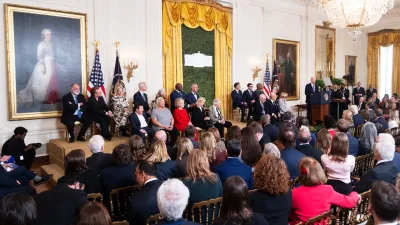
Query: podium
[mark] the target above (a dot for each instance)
(319, 106)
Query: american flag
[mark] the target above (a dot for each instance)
(267, 82)
(96, 76)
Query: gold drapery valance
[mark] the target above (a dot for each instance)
(375, 41)
(211, 17)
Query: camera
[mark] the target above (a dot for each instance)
(36, 145)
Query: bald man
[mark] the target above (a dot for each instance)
(191, 97)
(311, 88)
(73, 105)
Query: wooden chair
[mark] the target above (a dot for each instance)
(394, 132)
(352, 129)
(361, 213)
(363, 164)
(120, 223)
(153, 219)
(236, 114)
(252, 191)
(208, 210)
(323, 219)
(77, 127)
(119, 201)
(357, 132)
(95, 197)
(294, 183)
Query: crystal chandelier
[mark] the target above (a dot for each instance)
(354, 14)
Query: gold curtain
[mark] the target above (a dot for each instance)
(210, 17)
(375, 41)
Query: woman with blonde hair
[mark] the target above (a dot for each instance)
(219, 143)
(157, 154)
(208, 145)
(394, 119)
(199, 118)
(348, 116)
(324, 140)
(201, 182)
(185, 147)
(181, 116)
(313, 189)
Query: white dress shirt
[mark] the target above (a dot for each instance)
(142, 120)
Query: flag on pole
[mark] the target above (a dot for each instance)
(274, 75)
(96, 76)
(267, 81)
(118, 78)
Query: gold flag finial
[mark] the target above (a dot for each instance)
(116, 44)
(267, 56)
(96, 44)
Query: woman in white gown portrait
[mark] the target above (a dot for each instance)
(42, 85)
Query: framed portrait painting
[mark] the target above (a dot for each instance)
(287, 55)
(351, 68)
(46, 54)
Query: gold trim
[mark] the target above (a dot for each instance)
(334, 49)
(10, 54)
(297, 43)
(211, 3)
(383, 32)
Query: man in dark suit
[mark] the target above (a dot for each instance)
(143, 203)
(98, 160)
(344, 126)
(262, 138)
(380, 119)
(140, 97)
(384, 202)
(370, 91)
(175, 94)
(259, 91)
(191, 97)
(260, 107)
(237, 100)
(311, 88)
(73, 105)
(358, 92)
(190, 133)
(290, 155)
(385, 170)
(357, 118)
(304, 137)
(273, 108)
(233, 167)
(60, 205)
(249, 99)
(269, 129)
(139, 124)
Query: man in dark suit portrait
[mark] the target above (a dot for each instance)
(73, 106)
(143, 203)
(311, 88)
(370, 91)
(98, 160)
(139, 124)
(289, 74)
(304, 137)
(344, 126)
(140, 97)
(175, 94)
(237, 100)
(358, 92)
(260, 107)
(249, 99)
(191, 97)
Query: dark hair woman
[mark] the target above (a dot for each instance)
(93, 213)
(18, 209)
(138, 148)
(251, 150)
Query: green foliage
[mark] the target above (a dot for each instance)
(337, 81)
(320, 83)
(194, 41)
(315, 129)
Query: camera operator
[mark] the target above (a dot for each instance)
(16, 147)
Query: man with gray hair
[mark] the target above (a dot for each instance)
(357, 118)
(269, 129)
(140, 97)
(98, 160)
(385, 170)
(161, 135)
(304, 138)
(380, 119)
(172, 198)
(260, 107)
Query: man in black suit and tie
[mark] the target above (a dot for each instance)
(249, 99)
(191, 97)
(139, 124)
(143, 203)
(311, 88)
(304, 137)
(140, 97)
(98, 160)
(269, 129)
(370, 91)
(175, 94)
(358, 92)
(237, 100)
(273, 108)
(260, 108)
(73, 105)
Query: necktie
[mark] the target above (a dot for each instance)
(313, 89)
(195, 96)
(79, 109)
(262, 106)
(143, 96)
(251, 92)
(219, 113)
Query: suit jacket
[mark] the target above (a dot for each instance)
(258, 111)
(385, 171)
(273, 107)
(59, 205)
(357, 98)
(237, 98)
(198, 117)
(264, 140)
(117, 177)
(175, 95)
(272, 131)
(362, 106)
(396, 160)
(99, 161)
(233, 167)
(143, 203)
(383, 122)
(256, 94)
(358, 120)
(214, 117)
(178, 222)
(247, 96)
(135, 123)
(353, 145)
(191, 99)
(309, 91)
(370, 93)
(69, 109)
(7, 183)
(292, 158)
(275, 209)
(91, 180)
(310, 151)
(312, 141)
(138, 99)
(166, 170)
(196, 145)
(95, 107)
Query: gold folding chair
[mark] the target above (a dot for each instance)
(120, 223)
(294, 183)
(360, 213)
(210, 208)
(323, 219)
(119, 201)
(95, 197)
(153, 219)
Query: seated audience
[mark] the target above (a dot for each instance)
(233, 133)
(146, 176)
(270, 130)
(396, 158)
(61, 204)
(98, 160)
(290, 155)
(162, 119)
(201, 182)
(365, 115)
(178, 92)
(185, 147)
(357, 118)
(380, 119)
(75, 163)
(339, 164)
(138, 148)
(260, 107)
(348, 116)
(384, 203)
(384, 170)
(283, 106)
(18, 209)
(163, 94)
(343, 126)
(313, 189)
(190, 132)
(233, 167)
(208, 145)
(251, 150)
(239, 100)
(236, 208)
(220, 144)
(273, 198)
(172, 198)
(181, 116)
(199, 118)
(367, 138)
(303, 121)
(362, 104)
(217, 119)
(273, 108)
(271, 149)
(394, 120)
(305, 147)
(139, 125)
(120, 111)
(157, 154)
(329, 123)
(261, 137)
(93, 213)
(161, 135)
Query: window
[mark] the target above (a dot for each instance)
(385, 71)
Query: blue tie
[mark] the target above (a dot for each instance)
(79, 109)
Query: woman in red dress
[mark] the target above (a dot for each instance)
(181, 116)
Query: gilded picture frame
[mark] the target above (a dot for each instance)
(46, 53)
(288, 70)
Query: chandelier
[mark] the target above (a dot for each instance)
(354, 14)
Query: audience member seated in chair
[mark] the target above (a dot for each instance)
(260, 107)
(233, 133)
(18, 209)
(190, 132)
(219, 144)
(367, 138)
(172, 198)
(313, 190)
(270, 130)
(249, 99)
(98, 160)
(290, 155)
(157, 154)
(273, 197)
(303, 121)
(162, 119)
(140, 97)
(74, 163)
(357, 118)
(343, 126)
(273, 108)
(384, 204)
(162, 136)
(380, 119)
(329, 123)
(138, 148)
(384, 170)
(271, 149)
(93, 213)
(208, 145)
(217, 119)
(199, 118)
(259, 132)
(305, 147)
(236, 208)
(143, 203)
(238, 101)
(139, 124)
(61, 204)
(233, 167)
(181, 117)
(185, 147)
(251, 150)
(324, 140)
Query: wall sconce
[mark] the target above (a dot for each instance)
(254, 62)
(130, 64)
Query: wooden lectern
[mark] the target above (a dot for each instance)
(319, 106)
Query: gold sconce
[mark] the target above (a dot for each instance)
(255, 72)
(327, 24)
(131, 65)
